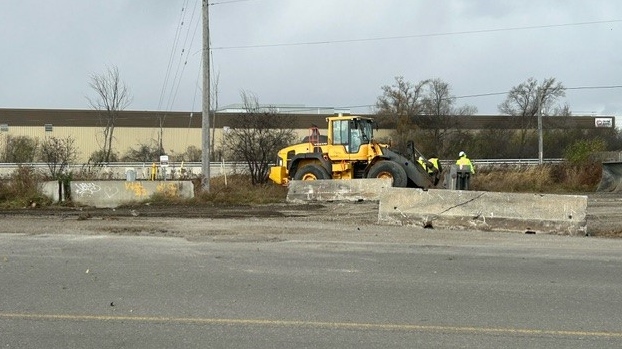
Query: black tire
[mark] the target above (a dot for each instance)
(311, 172)
(389, 169)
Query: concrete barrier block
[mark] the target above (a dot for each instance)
(450, 209)
(51, 189)
(337, 190)
(116, 193)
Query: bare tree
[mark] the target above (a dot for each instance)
(58, 153)
(525, 101)
(397, 107)
(424, 113)
(438, 120)
(112, 97)
(256, 136)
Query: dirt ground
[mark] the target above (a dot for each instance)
(194, 221)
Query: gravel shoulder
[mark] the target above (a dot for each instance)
(247, 223)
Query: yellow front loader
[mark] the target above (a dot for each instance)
(349, 151)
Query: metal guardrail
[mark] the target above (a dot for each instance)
(527, 162)
(141, 171)
(242, 165)
(178, 170)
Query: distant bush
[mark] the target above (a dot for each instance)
(579, 152)
(99, 156)
(143, 153)
(22, 189)
(19, 149)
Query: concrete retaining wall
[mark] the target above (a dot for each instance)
(337, 190)
(117, 193)
(449, 209)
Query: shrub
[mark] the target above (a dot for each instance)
(22, 189)
(580, 151)
(99, 156)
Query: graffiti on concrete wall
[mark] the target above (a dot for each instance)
(168, 189)
(137, 188)
(129, 191)
(91, 189)
(87, 189)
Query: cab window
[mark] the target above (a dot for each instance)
(340, 132)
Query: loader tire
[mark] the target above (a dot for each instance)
(389, 169)
(311, 173)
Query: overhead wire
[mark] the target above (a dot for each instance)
(227, 2)
(183, 60)
(178, 58)
(467, 32)
(172, 54)
(169, 67)
(399, 37)
(483, 95)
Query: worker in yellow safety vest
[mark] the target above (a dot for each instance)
(424, 163)
(154, 172)
(463, 160)
(435, 163)
(434, 169)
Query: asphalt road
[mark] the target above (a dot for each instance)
(366, 288)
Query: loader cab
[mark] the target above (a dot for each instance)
(351, 132)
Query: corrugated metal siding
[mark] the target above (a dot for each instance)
(181, 130)
(89, 139)
(129, 118)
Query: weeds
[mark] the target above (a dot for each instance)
(549, 178)
(22, 189)
(238, 190)
(227, 191)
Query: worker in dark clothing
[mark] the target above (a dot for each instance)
(436, 169)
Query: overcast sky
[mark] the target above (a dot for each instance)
(318, 53)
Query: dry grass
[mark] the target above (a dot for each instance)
(238, 190)
(556, 178)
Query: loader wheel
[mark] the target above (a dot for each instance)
(391, 170)
(311, 173)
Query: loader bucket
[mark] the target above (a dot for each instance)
(611, 179)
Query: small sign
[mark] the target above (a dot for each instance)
(163, 160)
(603, 122)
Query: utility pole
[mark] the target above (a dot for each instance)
(540, 146)
(205, 124)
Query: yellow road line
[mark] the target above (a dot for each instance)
(316, 324)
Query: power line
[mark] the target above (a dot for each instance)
(593, 87)
(169, 67)
(482, 95)
(498, 94)
(226, 2)
(466, 32)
